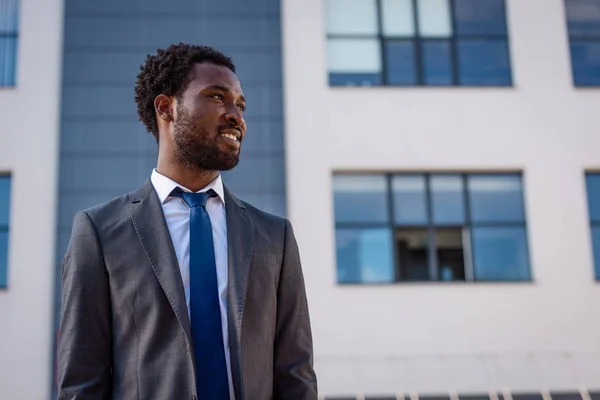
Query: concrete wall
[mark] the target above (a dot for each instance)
(439, 337)
(29, 151)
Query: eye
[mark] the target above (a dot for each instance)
(217, 96)
(241, 107)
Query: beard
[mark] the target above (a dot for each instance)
(196, 148)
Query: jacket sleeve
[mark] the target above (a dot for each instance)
(84, 353)
(294, 376)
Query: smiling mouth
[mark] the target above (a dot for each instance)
(230, 136)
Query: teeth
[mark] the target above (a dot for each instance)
(230, 136)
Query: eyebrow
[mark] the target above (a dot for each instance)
(224, 89)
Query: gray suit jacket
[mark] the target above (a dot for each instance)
(125, 332)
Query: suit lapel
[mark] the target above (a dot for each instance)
(151, 228)
(240, 242)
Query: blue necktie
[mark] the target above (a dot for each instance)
(205, 311)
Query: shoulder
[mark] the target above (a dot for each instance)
(115, 211)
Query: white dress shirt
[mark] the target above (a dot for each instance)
(177, 214)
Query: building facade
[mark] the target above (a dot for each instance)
(437, 159)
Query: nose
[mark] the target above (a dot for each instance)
(235, 118)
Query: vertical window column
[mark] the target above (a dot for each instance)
(583, 22)
(4, 228)
(9, 34)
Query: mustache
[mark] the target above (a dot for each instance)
(229, 127)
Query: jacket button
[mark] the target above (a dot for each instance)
(193, 397)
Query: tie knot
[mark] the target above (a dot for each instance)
(194, 199)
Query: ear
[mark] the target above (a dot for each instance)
(164, 105)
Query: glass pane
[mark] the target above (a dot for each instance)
(400, 62)
(410, 202)
(450, 254)
(9, 16)
(3, 257)
(364, 255)
(593, 194)
(583, 17)
(413, 247)
(480, 17)
(351, 17)
(4, 201)
(500, 254)
(354, 61)
(585, 57)
(448, 200)
(437, 62)
(8, 60)
(360, 198)
(434, 18)
(483, 63)
(398, 18)
(596, 248)
(496, 198)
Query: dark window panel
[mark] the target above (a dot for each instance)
(4, 200)
(483, 62)
(585, 58)
(448, 199)
(400, 62)
(473, 397)
(500, 254)
(565, 395)
(527, 396)
(496, 198)
(595, 395)
(593, 194)
(8, 60)
(360, 198)
(450, 254)
(480, 17)
(583, 17)
(354, 79)
(596, 250)
(410, 200)
(412, 246)
(364, 256)
(3, 257)
(437, 63)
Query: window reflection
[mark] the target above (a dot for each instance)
(360, 198)
(500, 254)
(364, 255)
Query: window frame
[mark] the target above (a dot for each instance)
(11, 83)
(6, 228)
(582, 38)
(430, 227)
(419, 59)
(593, 223)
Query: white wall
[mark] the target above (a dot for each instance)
(440, 337)
(29, 151)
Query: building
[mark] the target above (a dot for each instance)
(437, 159)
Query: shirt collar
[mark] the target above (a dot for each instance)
(164, 186)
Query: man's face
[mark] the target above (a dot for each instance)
(209, 126)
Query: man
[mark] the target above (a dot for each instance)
(179, 290)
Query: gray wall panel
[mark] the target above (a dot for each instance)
(161, 31)
(137, 7)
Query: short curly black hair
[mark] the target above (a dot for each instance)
(167, 73)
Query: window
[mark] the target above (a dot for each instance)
(430, 227)
(583, 22)
(9, 28)
(593, 193)
(4, 219)
(417, 42)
